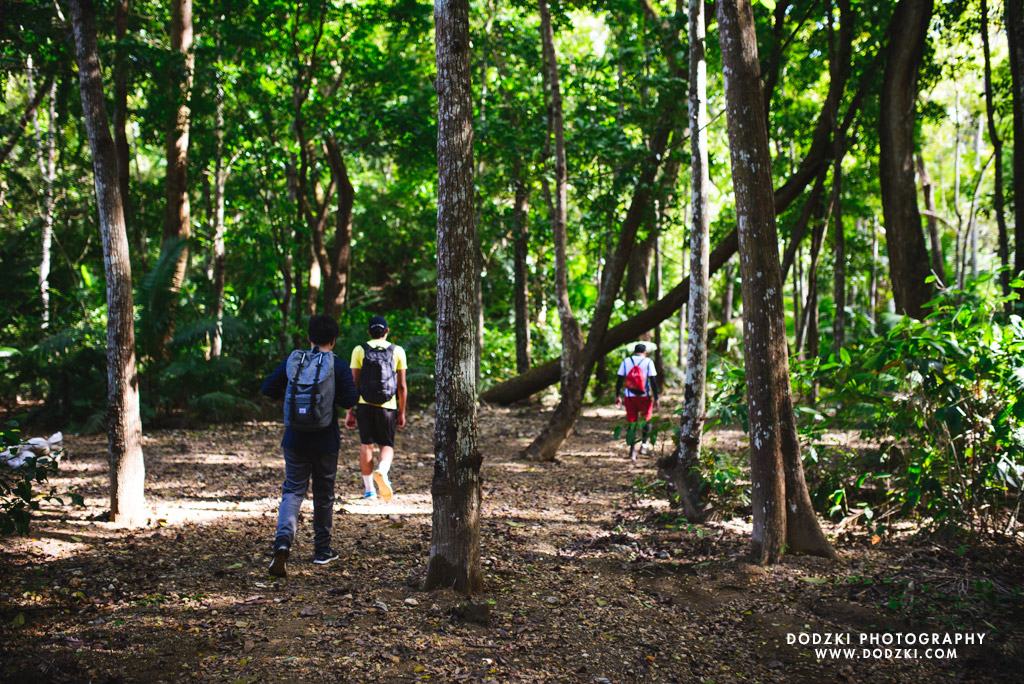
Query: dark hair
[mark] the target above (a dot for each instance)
(322, 329)
(639, 349)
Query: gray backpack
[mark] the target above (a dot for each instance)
(309, 397)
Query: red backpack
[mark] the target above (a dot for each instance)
(636, 379)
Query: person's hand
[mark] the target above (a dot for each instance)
(656, 405)
(618, 402)
(350, 420)
(400, 421)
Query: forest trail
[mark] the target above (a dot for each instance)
(587, 579)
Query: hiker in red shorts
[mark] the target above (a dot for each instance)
(636, 375)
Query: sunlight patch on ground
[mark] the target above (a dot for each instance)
(400, 504)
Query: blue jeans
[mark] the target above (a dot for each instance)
(299, 468)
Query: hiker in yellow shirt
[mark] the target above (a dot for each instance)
(378, 368)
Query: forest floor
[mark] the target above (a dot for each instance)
(589, 579)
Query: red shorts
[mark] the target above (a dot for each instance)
(642, 406)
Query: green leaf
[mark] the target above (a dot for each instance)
(18, 621)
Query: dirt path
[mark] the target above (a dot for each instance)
(586, 580)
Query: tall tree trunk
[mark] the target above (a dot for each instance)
(120, 124)
(30, 110)
(336, 287)
(659, 354)
(219, 252)
(124, 428)
(521, 232)
(928, 190)
(638, 274)
(908, 256)
(1015, 34)
(776, 468)
(839, 236)
(682, 467)
(873, 276)
(997, 148)
(572, 336)
(177, 216)
(47, 158)
(455, 535)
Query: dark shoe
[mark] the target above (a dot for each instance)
(277, 568)
(324, 557)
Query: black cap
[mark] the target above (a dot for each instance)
(639, 349)
(378, 324)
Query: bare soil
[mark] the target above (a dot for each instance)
(589, 579)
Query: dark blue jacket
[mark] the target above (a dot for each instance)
(345, 395)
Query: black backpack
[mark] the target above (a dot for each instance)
(309, 396)
(378, 380)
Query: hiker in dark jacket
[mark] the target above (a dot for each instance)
(311, 455)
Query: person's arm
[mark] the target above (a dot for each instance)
(345, 393)
(618, 389)
(402, 394)
(350, 417)
(652, 383)
(275, 385)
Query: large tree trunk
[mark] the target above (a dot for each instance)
(1015, 34)
(776, 471)
(908, 256)
(521, 237)
(997, 148)
(177, 215)
(336, 269)
(455, 536)
(572, 336)
(47, 158)
(124, 428)
(681, 468)
(638, 274)
(219, 252)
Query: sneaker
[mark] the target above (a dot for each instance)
(383, 484)
(370, 495)
(324, 557)
(277, 567)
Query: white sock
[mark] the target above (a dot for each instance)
(384, 468)
(368, 483)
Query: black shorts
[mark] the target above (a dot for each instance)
(376, 425)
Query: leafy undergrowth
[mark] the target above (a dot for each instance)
(588, 579)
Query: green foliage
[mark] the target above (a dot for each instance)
(17, 498)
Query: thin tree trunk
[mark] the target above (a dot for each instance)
(776, 468)
(120, 123)
(124, 428)
(997, 148)
(839, 236)
(938, 260)
(30, 110)
(873, 287)
(219, 252)
(572, 336)
(521, 230)
(908, 256)
(659, 354)
(177, 215)
(1015, 34)
(455, 535)
(681, 343)
(47, 158)
(682, 467)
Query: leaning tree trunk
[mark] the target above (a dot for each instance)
(124, 428)
(521, 230)
(572, 336)
(177, 216)
(908, 256)
(455, 536)
(682, 466)
(1015, 34)
(776, 472)
(997, 149)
